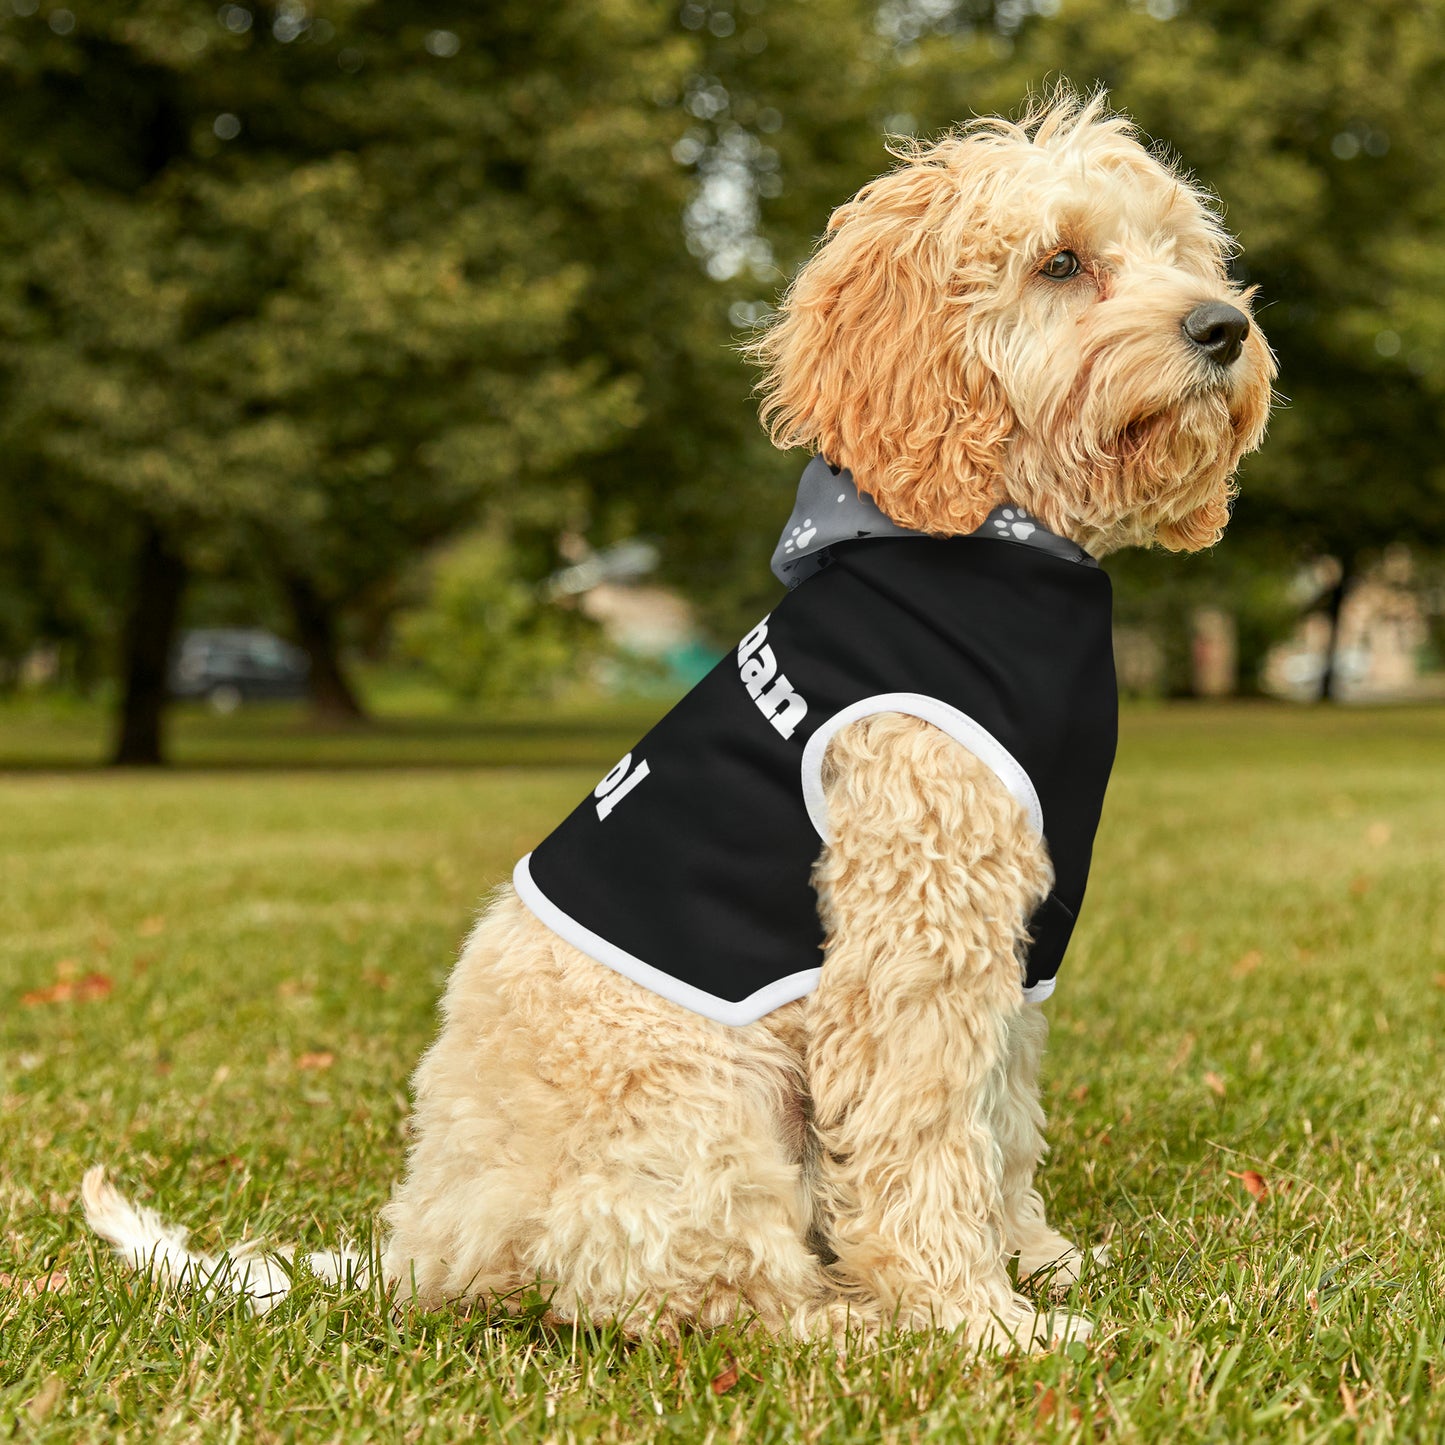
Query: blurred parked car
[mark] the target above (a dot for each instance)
(230, 665)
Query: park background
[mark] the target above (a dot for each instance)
(408, 333)
(416, 343)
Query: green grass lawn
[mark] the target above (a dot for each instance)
(216, 980)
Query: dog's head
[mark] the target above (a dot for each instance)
(1038, 311)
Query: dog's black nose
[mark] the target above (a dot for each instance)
(1217, 330)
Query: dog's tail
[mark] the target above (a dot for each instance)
(147, 1243)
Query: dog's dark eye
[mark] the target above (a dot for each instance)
(1060, 266)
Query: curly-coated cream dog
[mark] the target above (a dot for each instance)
(1032, 316)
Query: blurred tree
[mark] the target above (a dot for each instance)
(480, 633)
(310, 281)
(326, 283)
(58, 573)
(780, 115)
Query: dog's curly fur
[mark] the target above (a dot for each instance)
(864, 1156)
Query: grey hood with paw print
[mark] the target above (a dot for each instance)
(830, 509)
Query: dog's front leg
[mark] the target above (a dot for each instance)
(925, 888)
(1019, 1127)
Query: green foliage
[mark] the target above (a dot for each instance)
(316, 289)
(322, 285)
(778, 120)
(59, 572)
(484, 633)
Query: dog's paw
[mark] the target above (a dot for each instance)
(1060, 1327)
(1023, 1326)
(1058, 1266)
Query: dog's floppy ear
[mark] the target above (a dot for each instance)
(872, 361)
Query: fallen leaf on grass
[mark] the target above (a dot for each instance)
(56, 993)
(46, 1398)
(1046, 1408)
(56, 1282)
(1181, 1054)
(151, 927)
(1360, 885)
(1254, 1182)
(321, 1059)
(1247, 965)
(377, 979)
(1214, 1083)
(66, 990)
(724, 1382)
(1048, 1403)
(1377, 834)
(1440, 980)
(1080, 1094)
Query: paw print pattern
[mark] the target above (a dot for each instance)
(799, 537)
(1015, 520)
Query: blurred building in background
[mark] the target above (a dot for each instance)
(1381, 645)
(655, 640)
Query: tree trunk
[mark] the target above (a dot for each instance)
(150, 629)
(333, 699)
(1329, 675)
